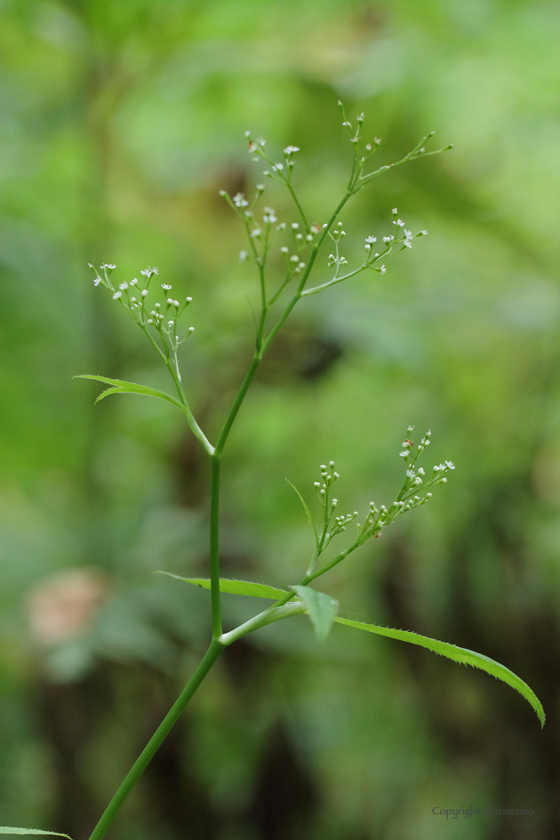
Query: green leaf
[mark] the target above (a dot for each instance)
(6, 829)
(458, 654)
(307, 511)
(120, 386)
(234, 587)
(321, 608)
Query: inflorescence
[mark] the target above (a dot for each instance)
(409, 497)
(133, 295)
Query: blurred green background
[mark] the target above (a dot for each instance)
(121, 121)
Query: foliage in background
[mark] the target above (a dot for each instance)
(121, 122)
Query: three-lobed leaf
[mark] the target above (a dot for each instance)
(121, 386)
(321, 609)
(457, 654)
(234, 587)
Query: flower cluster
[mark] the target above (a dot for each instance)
(408, 498)
(332, 525)
(376, 518)
(398, 241)
(355, 134)
(133, 296)
(279, 170)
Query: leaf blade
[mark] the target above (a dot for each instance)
(121, 386)
(234, 587)
(321, 608)
(6, 829)
(463, 656)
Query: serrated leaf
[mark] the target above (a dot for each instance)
(457, 654)
(234, 587)
(307, 511)
(120, 386)
(6, 829)
(321, 609)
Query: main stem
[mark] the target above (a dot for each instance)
(216, 646)
(156, 740)
(215, 545)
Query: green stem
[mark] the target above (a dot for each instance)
(268, 616)
(155, 741)
(298, 205)
(237, 403)
(299, 291)
(194, 427)
(215, 546)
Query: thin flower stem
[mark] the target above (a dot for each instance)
(297, 203)
(155, 741)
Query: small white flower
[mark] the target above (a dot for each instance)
(420, 471)
(260, 188)
(290, 150)
(134, 281)
(96, 281)
(294, 258)
(424, 232)
(277, 166)
(166, 287)
(144, 292)
(170, 323)
(371, 239)
(394, 211)
(117, 295)
(295, 226)
(123, 286)
(243, 256)
(302, 265)
(109, 266)
(411, 474)
(382, 270)
(404, 454)
(284, 249)
(256, 232)
(450, 465)
(239, 200)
